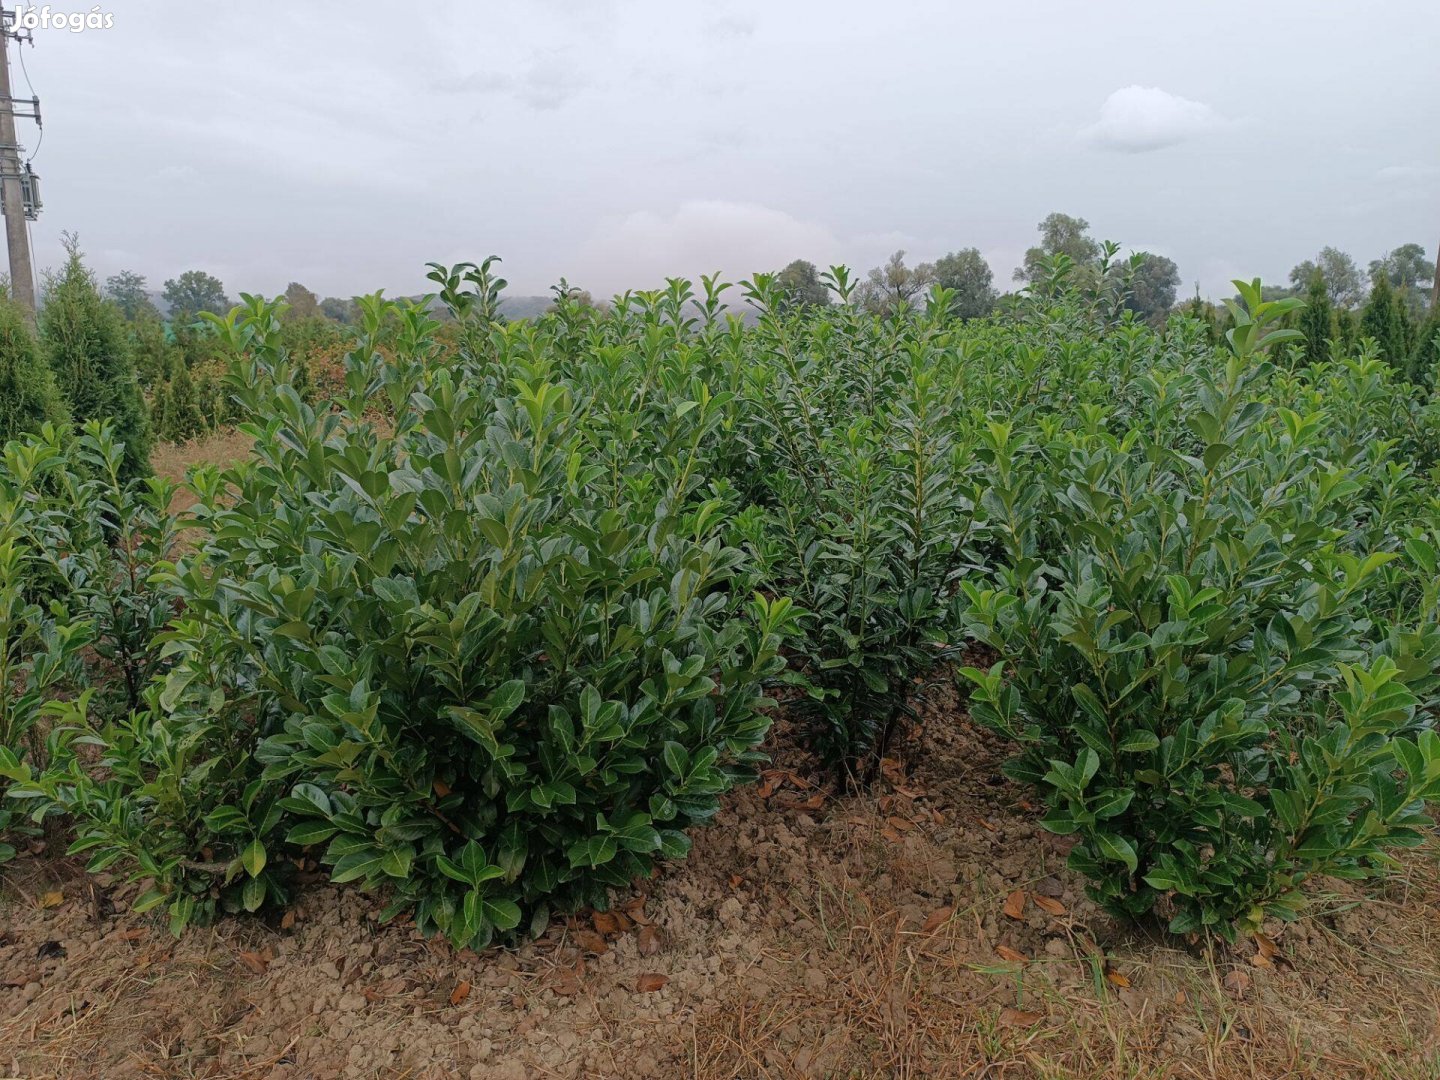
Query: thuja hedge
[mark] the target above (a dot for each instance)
(491, 629)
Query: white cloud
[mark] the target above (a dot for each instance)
(1403, 173)
(731, 26)
(1137, 119)
(547, 82)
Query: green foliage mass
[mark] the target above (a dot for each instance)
(491, 625)
(29, 397)
(87, 344)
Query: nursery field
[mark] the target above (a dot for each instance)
(643, 691)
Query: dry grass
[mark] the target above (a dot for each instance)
(1356, 997)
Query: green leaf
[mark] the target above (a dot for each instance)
(253, 858)
(1117, 849)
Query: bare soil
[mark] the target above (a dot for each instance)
(926, 928)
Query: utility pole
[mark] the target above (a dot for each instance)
(17, 237)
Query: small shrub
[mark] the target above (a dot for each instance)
(449, 655)
(1189, 686)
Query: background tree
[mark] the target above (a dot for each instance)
(304, 304)
(1060, 234)
(1381, 320)
(886, 287)
(192, 292)
(28, 394)
(1410, 274)
(341, 311)
(1406, 267)
(1424, 366)
(1342, 277)
(127, 291)
(969, 275)
(1153, 288)
(87, 345)
(800, 286)
(1316, 320)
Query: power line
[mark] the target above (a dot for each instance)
(20, 52)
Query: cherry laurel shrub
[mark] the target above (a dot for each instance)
(1189, 679)
(444, 652)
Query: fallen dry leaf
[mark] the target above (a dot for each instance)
(606, 922)
(650, 981)
(52, 899)
(135, 933)
(565, 983)
(1117, 979)
(900, 824)
(1020, 1018)
(1237, 981)
(1048, 904)
(649, 941)
(255, 961)
(1265, 951)
(461, 992)
(1015, 904)
(590, 941)
(287, 921)
(1007, 953)
(936, 919)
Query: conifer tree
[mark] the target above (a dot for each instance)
(1380, 321)
(1424, 366)
(87, 344)
(28, 394)
(1316, 321)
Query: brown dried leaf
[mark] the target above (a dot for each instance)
(936, 919)
(256, 962)
(287, 921)
(565, 983)
(461, 992)
(649, 941)
(650, 981)
(1048, 904)
(1117, 979)
(51, 899)
(736, 881)
(1015, 904)
(900, 824)
(1237, 981)
(1020, 1018)
(590, 941)
(1007, 953)
(605, 922)
(441, 788)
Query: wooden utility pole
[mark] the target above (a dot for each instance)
(17, 236)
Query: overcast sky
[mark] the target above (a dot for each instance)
(620, 141)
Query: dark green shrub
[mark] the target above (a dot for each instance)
(1189, 681)
(87, 343)
(29, 398)
(457, 659)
